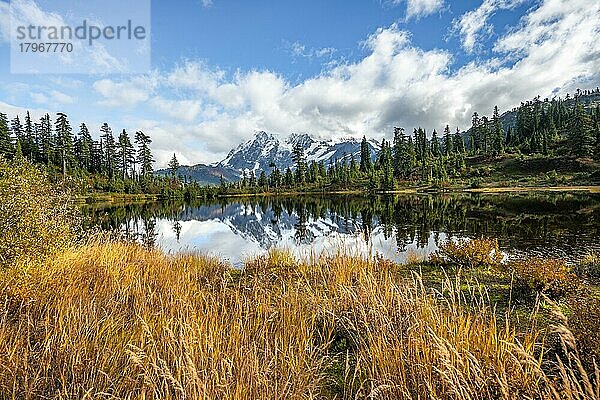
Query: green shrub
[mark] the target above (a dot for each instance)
(35, 218)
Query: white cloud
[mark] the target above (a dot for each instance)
(194, 76)
(126, 93)
(298, 49)
(472, 25)
(420, 8)
(181, 110)
(206, 3)
(554, 48)
(24, 12)
(11, 111)
(83, 58)
(53, 98)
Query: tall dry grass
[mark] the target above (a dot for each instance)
(116, 320)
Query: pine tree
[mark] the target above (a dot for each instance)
(173, 165)
(144, 155)
(244, 179)
(458, 142)
(398, 151)
(46, 142)
(365, 156)
(29, 150)
(384, 162)
(126, 154)
(498, 135)
(84, 148)
(64, 142)
(18, 153)
(411, 158)
(262, 179)
(580, 129)
(109, 156)
(17, 131)
(353, 167)
(6, 144)
(300, 161)
(475, 136)
(289, 177)
(485, 135)
(435, 144)
(448, 144)
(509, 136)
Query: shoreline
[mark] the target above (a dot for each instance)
(126, 198)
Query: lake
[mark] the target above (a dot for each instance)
(565, 224)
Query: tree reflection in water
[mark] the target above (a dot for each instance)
(563, 222)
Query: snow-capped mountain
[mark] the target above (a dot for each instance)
(258, 153)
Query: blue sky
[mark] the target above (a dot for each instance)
(223, 69)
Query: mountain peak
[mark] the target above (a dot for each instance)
(263, 136)
(263, 150)
(304, 139)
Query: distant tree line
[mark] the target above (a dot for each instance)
(111, 163)
(55, 144)
(559, 127)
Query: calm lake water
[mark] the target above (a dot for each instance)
(549, 224)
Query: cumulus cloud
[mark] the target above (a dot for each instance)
(182, 110)
(53, 98)
(420, 8)
(12, 110)
(473, 25)
(554, 48)
(126, 93)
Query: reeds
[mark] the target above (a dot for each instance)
(116, 320)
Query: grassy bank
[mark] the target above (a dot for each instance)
(116, 320)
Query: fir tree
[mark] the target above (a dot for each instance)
(300, 162)
(84, 148)
(458, 142)
(17, 131)
(448, 144)
(435, 144)
(581, 132)
(64, 142)
(144, 156)
(475, 136)
(46, 142)
(6, 144)
(498, 135)
(109, 156)
(262, 179)
(29, 150)
(174, 166)
(365, 156)
(126, 154)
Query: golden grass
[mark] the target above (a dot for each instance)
(116, 320)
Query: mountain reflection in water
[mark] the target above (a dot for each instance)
(549, 224)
